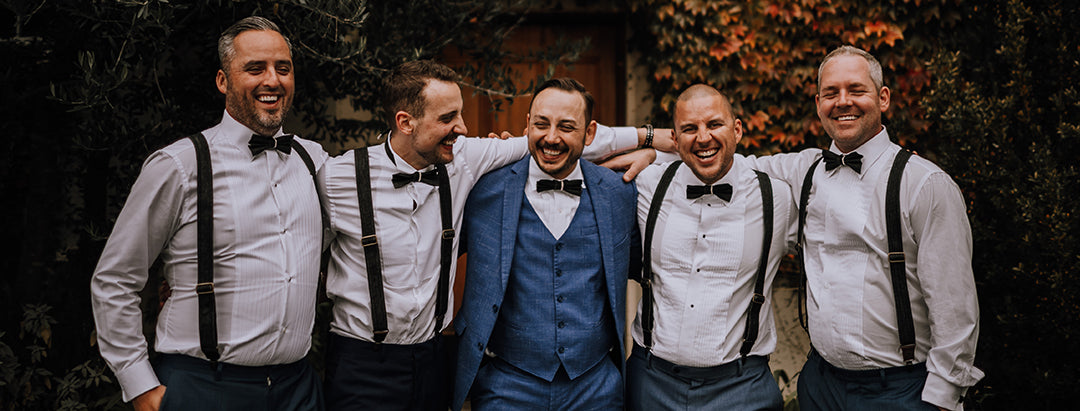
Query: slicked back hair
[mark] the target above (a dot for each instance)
(403, 89)
(875, 65)
(226, 49)
(570, 85)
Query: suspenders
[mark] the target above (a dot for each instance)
(371, 245)
(904, 320)
(756, 302)
(204, 287)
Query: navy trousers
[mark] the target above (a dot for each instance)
(502, 386)
(362, 375)
(191, 384)
(823, 386)
(653, 383)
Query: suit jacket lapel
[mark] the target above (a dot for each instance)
(598, 188)
(513, 193)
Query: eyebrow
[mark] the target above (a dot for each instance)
(448, 116)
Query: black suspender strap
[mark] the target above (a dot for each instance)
(904, 320)
(445, 207)
(646, 253)
(758, 300)
(324, 259)
(371, 245)
(208, 337)
(804, 200)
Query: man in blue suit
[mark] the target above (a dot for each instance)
(550, 240)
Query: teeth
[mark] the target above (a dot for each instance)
(449, 141)
(846, 118)
(706, 153)
(268, 99)
(550, 152)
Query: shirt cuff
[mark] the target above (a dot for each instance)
(137, 379)
(942, 393)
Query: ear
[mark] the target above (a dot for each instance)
(590, 132)
(222, 81)
(527, 123)
(403, 122)
(884, 95)
(738, 130)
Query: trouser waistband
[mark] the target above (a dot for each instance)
(347, 343)
(871, 375)
(701, 373)
(232, 371)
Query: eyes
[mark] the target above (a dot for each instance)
(832, 93)
(565, 127)
(258, 68)
(691, 128)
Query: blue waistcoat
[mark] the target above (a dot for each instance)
(555, 309)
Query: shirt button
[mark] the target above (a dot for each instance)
(494, 308)
(703, 236)
(560, 298)
(562, 324)
(480, 346)
(558, 272)
(558, 246)
(562, 350)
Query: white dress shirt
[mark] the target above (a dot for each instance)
(267, 233)
(408, 225)
(705, 255)
(555, 208)
(852, 315)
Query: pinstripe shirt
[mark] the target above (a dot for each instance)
(267, 240)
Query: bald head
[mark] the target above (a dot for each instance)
(701, 91)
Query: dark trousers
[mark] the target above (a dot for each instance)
(362, 375)
(193, 384)
(653, 383)
(502, 386)
(823, 386)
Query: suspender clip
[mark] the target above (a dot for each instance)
(908, 350)
(896, 257)
(369, 240)
(204, 288)
(380, 335)
(448, 234)
(757, 299)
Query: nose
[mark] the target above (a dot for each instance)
(843, 98)
(271, 78)
(459, 126)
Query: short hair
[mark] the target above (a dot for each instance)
(226, 49)
(705, 90)
(875, 66)
(570, 85)
(403, 89)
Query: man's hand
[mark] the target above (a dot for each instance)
(150, 400)
(631, 163)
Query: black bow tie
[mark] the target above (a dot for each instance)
(720, 190)
(427, 177)
(569, 186)
(833, 160)
(260, 143)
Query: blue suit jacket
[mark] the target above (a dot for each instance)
(489, 233)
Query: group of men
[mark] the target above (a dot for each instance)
(240, 214)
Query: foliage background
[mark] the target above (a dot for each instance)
(987, 89)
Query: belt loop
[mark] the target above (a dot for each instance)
(648, 359)
(881, 372)
(217, 366)
(739, 365)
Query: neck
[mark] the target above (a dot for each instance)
(399, 142)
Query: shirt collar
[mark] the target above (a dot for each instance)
(536, 174)
(397, 161)
(871, 151)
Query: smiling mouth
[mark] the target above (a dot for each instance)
(849, 117)
(449, 140)
(706, 154)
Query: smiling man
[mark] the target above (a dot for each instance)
(892, 328)
(390, 281)
(246, 348)
(551, 240)
(705, 326)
